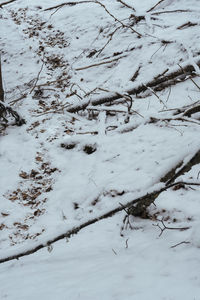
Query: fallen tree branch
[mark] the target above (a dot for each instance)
(182, 110)
(192, 111)
(186, 25)
(157, 84)
(152, 120)
(7, 2)
(52, 82)
(186, 168)
(100, 63)
(155, 120)
(173, 174)
(139, 204)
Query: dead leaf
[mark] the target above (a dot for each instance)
(24, 175)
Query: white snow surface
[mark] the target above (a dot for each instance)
(50, 184)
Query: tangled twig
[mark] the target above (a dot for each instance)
(164, 227)
(6, 111)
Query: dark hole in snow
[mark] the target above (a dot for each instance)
(94, 202)
(68, 146)
(89, 149)
(76, 206)
(92, 53)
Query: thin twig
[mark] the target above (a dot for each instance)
(172, 11)
(152, 8)
(100, 63)
(150, 89)
(18, 99)
(169, 94)
(184, 242)
(107, 109)
(135, 75)
(109, 40)
(114, 251)
(37, 78)
(162, 229)
(125, 4)
(52, 82)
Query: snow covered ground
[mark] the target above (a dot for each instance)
(62, 169)
(96, 264)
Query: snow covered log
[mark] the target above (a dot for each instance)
(158, 83)
(135, 207)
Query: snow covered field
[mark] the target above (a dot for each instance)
(62, 169)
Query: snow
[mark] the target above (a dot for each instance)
(62, 169)
(97, 264)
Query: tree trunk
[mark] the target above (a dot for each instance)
(1, 84)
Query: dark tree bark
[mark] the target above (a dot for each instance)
(1, 84)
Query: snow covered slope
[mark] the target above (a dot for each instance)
(62, 169)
